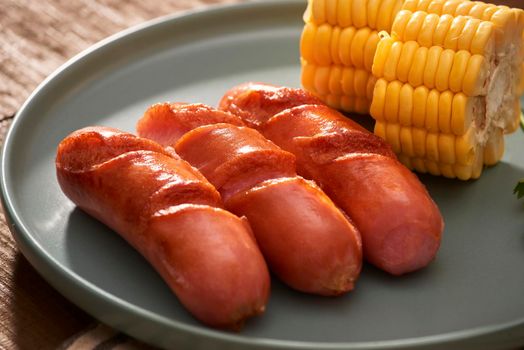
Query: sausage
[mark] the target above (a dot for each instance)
(306, 240)
(172, 215)
(255, 103)
(401, 226)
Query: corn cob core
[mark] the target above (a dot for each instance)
(442, 78)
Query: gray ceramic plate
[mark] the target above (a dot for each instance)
(472, 296)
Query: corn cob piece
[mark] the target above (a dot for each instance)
(373, 14)
(447, 90)
(507, 21)
(338, 46)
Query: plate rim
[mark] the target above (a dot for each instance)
(56, 274)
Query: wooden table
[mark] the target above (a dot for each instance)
(35, 38)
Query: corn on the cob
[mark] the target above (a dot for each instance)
(445, 93)
(441, 77)
(338, 46)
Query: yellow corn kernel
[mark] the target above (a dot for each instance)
(406, 141)
(413, 26)
(410, 5)
(432, 64)
(362, 105)
(420, 98)
(382, 54)
(396, 8)
(464, 8)
(322, 54)
(432, 146)
(318, 11)
(454, 32)
(332, 100)
(334, 47)
(458, 70)
(488, 13)
(447, 171)
(444, 69)
(321, 82)
(494, 149)
(463, 112)
(478, 9)
(478, 165)
(465, 148)
(450, 7)
(390, 68)
(433, 167)
(380, 129)
(359, 13)
(476, 76)
(391, 104)
(361, 81)
(372, 11)
(308, 76)
(432, 104)
(406, 60)
(483, 42)
(331, 9)
(369, 50)
(416, 72)
(425, 36)
(506, 22)
(347, 103)
(370, 87)
(344, 14)
(420, 5)
(446, 147)
(393, 136)
(357, 47)
(406, 105)
(345, 41)
(348, 81)
(444, 111)
(441, 30)
(307, 42)
(467, 34)
(335, 80)
(419, 141)
(379, 98)
(436, 6)
(384, 15)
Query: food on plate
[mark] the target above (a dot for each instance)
(337, 48)
(446, 75)
(400, 224)
(306, 240)
(172, 215)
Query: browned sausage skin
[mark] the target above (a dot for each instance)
(171, 214)
(308, 243)
(400, 224)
